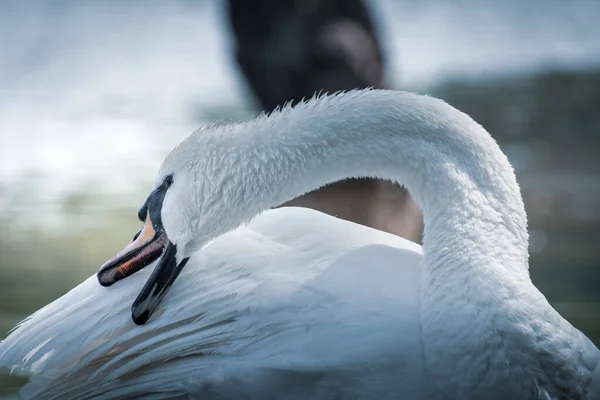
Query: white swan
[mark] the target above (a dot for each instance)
(301, 305)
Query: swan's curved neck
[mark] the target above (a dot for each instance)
(455, 171)
(475, 227)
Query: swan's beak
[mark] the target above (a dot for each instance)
(146, 247)
(157, 285)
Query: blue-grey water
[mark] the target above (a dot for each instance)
(93, 90)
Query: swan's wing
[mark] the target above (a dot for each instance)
(296, 300)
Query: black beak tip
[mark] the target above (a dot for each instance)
(104, 279)
(157, 285)
(140, 318)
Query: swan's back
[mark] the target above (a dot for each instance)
(297, 302)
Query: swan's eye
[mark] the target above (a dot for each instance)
(168, 180)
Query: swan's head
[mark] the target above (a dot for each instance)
(186, 209)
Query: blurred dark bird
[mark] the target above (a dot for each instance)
(288, 50)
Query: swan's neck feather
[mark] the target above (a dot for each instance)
(451, 166)
(475, 241)
(475, 221)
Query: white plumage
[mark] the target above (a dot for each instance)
(301, 305)
(253, 303)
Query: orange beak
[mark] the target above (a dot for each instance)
(146, 247)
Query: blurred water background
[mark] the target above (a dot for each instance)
(93, 95)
